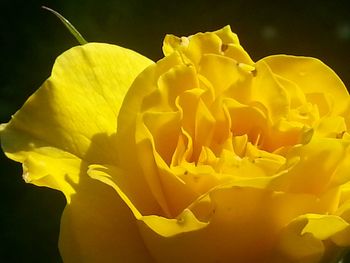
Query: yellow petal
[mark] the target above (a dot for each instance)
(302, 240)
(226, 35)
(231, 46)
(312, 76)
(268, 91)
(67, 123)
(169, 190)
(221, 71)
(294, 247)
(43, 165)
(331, 127)
(306, 174)
(164, 127)
(171, 43)
(344, 209)
(164, 227)
(227, 224)
(246, 119)
(195, 46)
(295, 93)
(197, 120)
(75, 110)
(98, 226)
(202, 43)
(341, 174)
(220, 42)
(175, 81)
(323, 226)
(135, 190)
(145, 84)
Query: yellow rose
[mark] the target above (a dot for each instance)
(203, 156)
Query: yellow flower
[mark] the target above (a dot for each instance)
(203, 156)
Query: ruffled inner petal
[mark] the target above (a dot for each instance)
(304, 71)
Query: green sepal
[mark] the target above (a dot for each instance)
(68, 25)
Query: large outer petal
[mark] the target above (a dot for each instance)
(98, 226)
(67, 124)
(80, 100)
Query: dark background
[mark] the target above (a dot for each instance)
(31, 38)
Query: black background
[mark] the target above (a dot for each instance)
(31, 38)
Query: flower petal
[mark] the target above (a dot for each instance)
(228, 223)
(222, 41)
(43, 165)
(312, 76)
(67, 123)
(169, 190)
(267, 90)
(294, 247)
(214, 67)
(306, 174)
(76, 108)
(145, 84)
(98, 226)
(302, 240)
